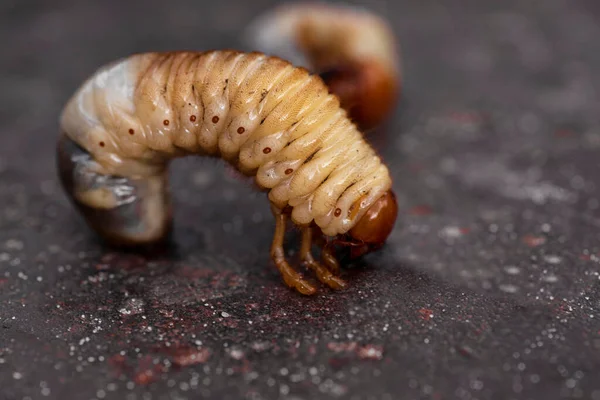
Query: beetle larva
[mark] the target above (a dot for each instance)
(269, 119)
(353, 50)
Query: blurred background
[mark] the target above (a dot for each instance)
(487, 289)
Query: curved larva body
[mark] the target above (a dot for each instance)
(261, 114)
(354, 49)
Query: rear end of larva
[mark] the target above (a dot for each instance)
(261, 114)
(352, 48)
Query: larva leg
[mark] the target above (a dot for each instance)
(291, 277)
(324, 274)
(327, 257)
(124, 211)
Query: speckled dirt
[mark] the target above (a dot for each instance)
(488, 288)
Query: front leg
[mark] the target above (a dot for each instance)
(327, 256)
(291, 277)
(325, 275)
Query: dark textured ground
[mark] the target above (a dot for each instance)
(488, 289)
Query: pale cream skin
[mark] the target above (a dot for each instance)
(267, 118)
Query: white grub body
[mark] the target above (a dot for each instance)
(316, 35)
(267, 118)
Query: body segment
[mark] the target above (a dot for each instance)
(269, 119)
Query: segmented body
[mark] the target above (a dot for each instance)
(269, 119)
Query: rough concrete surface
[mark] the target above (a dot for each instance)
(487, 289)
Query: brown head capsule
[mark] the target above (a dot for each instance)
(373, 228)
(276, 123)
(352, 49)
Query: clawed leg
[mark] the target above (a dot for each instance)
(327, 256)
(291, 277)
(325, 275)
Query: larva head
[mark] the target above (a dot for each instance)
(367, 90)
(373, 228)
